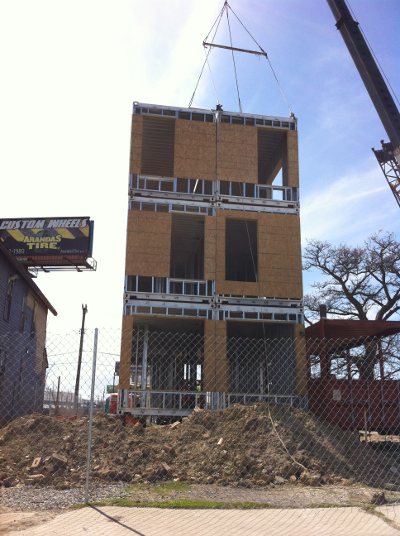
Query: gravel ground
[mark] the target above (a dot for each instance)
(29, 498)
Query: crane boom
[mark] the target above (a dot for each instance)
(389, 156)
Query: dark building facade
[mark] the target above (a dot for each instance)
(23, 360)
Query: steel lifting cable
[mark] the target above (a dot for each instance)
(266, 55)
(234, 63)
(212, 79)
(217, 22)
(265, 344)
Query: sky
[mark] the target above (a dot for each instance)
(71, 70)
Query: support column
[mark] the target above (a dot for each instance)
(216, 366)
(143, 398)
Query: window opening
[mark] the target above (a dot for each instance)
(10, 287)
(145, 283)
(187, 247)
(241, 253)
(33, 326)
(272, 157)
(23, 309)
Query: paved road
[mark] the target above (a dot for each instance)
(113, 520)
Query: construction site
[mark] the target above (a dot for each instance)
(217, 382)
(213, 258)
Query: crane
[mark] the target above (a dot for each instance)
(389, 156)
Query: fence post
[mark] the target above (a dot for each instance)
(96, 332)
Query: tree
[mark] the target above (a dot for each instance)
(363, 283)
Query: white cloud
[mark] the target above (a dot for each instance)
(352, 207)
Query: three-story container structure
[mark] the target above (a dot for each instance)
(213, 255)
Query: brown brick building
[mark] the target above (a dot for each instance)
(213, 246)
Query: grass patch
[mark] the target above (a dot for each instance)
(135, 487)
(373, 511)
(167, 487)
(334, 505)
(185, 504)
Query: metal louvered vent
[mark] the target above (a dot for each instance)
(158, 144)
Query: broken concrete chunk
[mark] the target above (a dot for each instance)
(174, 425)
(166, 469)
(169, 450)
(37, 462)
(59, 461)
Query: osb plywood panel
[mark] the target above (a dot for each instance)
(216, 366)
(237, 153)
(194, 150)
(148, 244)
(126, 352)
(293, 159)
(210, 244)
(301, 360)
(136, 143)
(279, 256)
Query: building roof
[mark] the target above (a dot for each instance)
(356, 330)
(26, 277)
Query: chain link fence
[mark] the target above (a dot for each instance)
(277, 421)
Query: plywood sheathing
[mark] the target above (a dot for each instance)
(279, 256)
(301, 360)
(136, 144)
(194, 150)
(126, 352)
(237, 153)
(210, 223)
(148, 244)
(216, 366)
(293, 159)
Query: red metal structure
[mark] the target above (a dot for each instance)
(351, 403)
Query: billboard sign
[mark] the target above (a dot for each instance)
(48, 241)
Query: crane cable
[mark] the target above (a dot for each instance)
(217, 22)
(266, 55)
(233, 59)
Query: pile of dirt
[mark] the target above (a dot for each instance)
(253, 446)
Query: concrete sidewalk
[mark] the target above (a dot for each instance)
(114, 520)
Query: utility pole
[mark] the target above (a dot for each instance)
(78, 372)
(58, 398)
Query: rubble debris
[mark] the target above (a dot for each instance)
(237, 446)
(36, 463)
(378, 499)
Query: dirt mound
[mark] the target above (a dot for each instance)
(251, 446)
